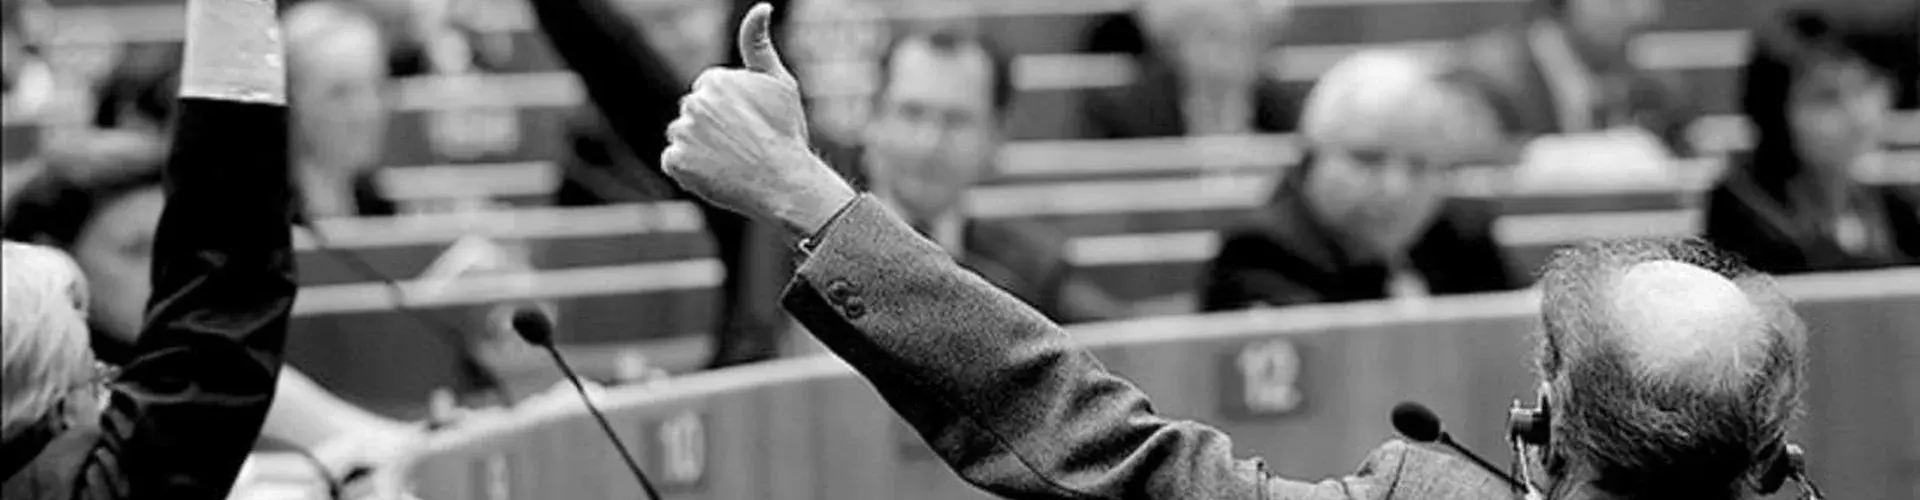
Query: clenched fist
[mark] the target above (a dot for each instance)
(741, 140)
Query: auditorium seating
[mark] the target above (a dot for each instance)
(1699, 39)
(1307, 388)
(1145, 212)
(386, 303)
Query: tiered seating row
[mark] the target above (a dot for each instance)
(1307, 388)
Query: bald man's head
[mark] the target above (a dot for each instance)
(1688, 325)
(1672, 368)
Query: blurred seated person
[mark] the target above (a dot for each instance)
(1568, 69)
(1819, 90)
(137, 94)
(336, 77)
(26, 87)
(1366, 216)
(1201, 72)
(936, 130)
(336, 80)
(26, 80)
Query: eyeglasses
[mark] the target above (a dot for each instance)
(102, 373)
(95, 385)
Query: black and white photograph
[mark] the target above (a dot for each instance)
(960, 249)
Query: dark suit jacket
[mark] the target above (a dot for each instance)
(1030, 261)
(1761, 228)
(1151, 106)
(1502, 66)
(1285, 257)
(186, 411)
(1025, 260)
(1012, 405)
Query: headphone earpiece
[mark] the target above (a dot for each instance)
(1780, 467)
(1529, 429)
(1532, 426)
(1788, 462)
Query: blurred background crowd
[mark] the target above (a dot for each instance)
(1101, 159)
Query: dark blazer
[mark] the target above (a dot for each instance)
(1502, 66)
(1011, 404)
(1285, 257)
(1030, 261)
(1152, 107)
(1761, 227)
(1027, 261)
(185, 413)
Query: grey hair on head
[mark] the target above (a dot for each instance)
(43, 333)
(1623, 421)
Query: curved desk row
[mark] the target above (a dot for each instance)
(1307, 388)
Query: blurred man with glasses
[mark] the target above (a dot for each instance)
(936, 130)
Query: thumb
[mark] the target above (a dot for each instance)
(756, 44)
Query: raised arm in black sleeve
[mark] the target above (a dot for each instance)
(186, 411)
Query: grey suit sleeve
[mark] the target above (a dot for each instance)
(996, 389)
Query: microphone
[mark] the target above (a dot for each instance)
(1416, 422)
(535, 327)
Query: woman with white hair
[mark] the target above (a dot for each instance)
(181, 418)
(1365, 215)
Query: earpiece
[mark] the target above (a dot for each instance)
(1789, 462)
(1530, 425)
(1530, 428)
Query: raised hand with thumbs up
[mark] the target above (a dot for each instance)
(741, 140)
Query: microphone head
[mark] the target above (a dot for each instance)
(534, 326)
(1416, 422)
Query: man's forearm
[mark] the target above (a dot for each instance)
(226, 172)
(999, 391)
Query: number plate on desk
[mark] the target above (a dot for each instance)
(675, 452)
(1262, 379)
(493, 478)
